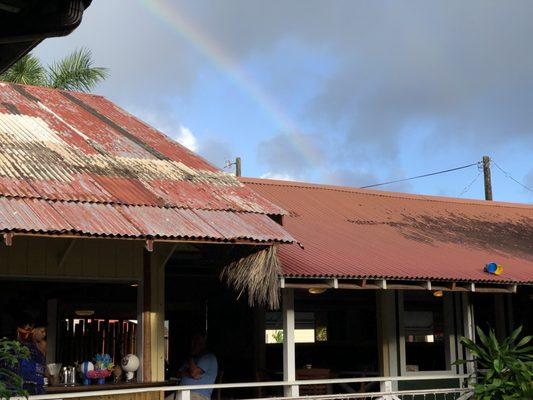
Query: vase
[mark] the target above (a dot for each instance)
(86, 381)
(101, 381)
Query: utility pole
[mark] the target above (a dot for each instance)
(238, 167)
(486, 175)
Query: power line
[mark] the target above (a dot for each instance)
(467, 187)
(420, 176)
(508, 175)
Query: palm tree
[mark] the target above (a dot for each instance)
(74, 72)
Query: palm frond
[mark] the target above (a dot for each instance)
(76, 72)
(28, 71)
(256, 275)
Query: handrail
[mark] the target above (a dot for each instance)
(372, 394)
(189, 388)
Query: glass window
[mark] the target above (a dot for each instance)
(424, 332)
(308, 328)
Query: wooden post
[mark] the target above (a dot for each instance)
(500, 316)
(486, 175)
(51, 331)
(386, 305)
(468, 328)
(146, 317)
(238, 166)
(289, 347)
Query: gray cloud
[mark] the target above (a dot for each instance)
(217, 151)
(282, 154)
(141, 52)
(350, 177)
(462, 68)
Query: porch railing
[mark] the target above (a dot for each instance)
(463, 391)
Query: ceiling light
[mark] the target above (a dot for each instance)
(317, 290)
(438, 293)
(84, 313)
(134, 285)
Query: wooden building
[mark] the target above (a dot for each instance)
(126, 242)
(93, 203)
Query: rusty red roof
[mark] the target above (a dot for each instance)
(73, 162)
(354, 233)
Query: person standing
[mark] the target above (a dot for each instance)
(32, 369)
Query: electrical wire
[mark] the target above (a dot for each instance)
(467, 187)
(420, 176)
(508, 175)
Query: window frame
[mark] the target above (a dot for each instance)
(449, 338)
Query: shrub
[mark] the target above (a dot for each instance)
(504, 369)
(11, 384)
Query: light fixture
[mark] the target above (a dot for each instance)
(317, 290)
(84, 313)
(438, 293)
(134, 285)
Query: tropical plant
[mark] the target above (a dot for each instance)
(11, 353)
(277, 336)
(504, 368)
(74, 72)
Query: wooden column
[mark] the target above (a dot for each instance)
(386, 304)
(51, 331)
(468, 327)
(152, 315)
(289, 347)
(146, 317)
(500, 316)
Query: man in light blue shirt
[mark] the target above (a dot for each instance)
(200, 369)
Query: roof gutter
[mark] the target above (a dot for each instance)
(23, 28)
(399, 284)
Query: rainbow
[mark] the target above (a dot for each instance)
(212, 51)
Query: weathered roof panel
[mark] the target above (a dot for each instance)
(76, 163)
(353, 233)
(59, 145)
(22, 215)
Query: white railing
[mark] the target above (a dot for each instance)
(386, 391)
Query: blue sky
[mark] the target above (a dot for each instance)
(356, 92)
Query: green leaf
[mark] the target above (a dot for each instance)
(76, 72)
(28, 71)
(497, 365)
(525, 340)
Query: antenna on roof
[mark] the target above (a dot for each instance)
(237, 164)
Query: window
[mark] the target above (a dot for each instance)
(425, 332)
(308, 328)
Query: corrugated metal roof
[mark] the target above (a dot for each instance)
(59, 145)
(77, 163)
(352, 233)
(122, 221)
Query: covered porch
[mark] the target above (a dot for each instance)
(340, 338)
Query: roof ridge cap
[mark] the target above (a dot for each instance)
(54, 89)
(378, 193)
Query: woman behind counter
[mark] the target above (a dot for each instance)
(32, 370)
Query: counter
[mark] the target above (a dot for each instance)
(69, 392)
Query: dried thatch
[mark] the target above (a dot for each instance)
(256, 275)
